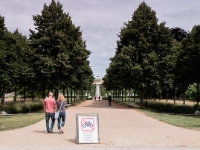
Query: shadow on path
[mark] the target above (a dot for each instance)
(104, 104)
(72, 141)
(45, 132)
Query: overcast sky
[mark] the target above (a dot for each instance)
(101, 20)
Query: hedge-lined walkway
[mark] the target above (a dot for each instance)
(121, 127)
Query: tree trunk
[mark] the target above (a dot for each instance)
(43, 94)
(68, 96)
(141, 98)
(129, 97)
(175, 92)
(71, 94)
(56, 93)
(3, 93)
(38, 93)
(15, 96)
(74, 94)
(24, 91)
(78, 96)
(183, 96)
(63, 91)
(113, 93)
(83, 94)
(134, 94)
(125, 95)
(122, 95)
(117, 95)
(197, 94)
(160, 95)
(32, 93)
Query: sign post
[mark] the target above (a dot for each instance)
(87, 128)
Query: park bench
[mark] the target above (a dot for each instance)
(130, 104)
(3, 113)
(67, 105)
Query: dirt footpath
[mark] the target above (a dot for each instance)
(120, 128)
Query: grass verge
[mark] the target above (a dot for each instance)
(185, 121)
(22, 120)
(19, 121)
(189, 121)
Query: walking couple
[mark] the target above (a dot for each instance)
(50, 106)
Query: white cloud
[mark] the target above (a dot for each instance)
(185, 19)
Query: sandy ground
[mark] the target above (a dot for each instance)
(120, 127)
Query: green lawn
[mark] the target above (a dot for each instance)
(22, 120)
(185, 121)
(19, 120)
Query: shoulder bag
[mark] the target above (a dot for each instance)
(57, 112)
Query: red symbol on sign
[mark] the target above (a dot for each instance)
(87, 124)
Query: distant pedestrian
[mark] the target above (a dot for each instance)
(49, 109)
(95, 98)
(109, 99)
(99, 98)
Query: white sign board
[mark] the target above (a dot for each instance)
(87, 128)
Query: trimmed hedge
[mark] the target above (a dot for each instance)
(170, 108)
(22, 107)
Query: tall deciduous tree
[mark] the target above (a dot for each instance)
(188, 61)
(59, 47)
(146, 45)
(22, 69)
(2, 57)
(14, 58)
(178, 35)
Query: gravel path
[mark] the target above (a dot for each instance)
(120, 128)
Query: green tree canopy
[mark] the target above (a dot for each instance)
(143, 52)
(59, 50)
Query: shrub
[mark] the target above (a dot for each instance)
(105, 98)
(22, 107)
(191, 92)
(169, 108)
(36, 106)
(82, 98)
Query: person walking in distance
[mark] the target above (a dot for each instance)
(61, 107)
(99, 98)
(109, 100)
(49, 109)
